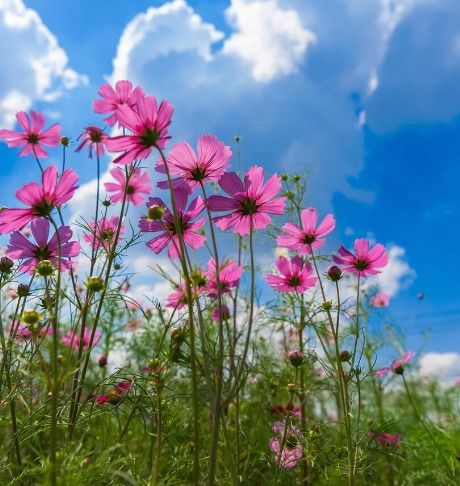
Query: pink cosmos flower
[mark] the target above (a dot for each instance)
(292, 449)
(229, 276)
(309, 236)
(20, 248)
(208, 164)
(105, 233)
(296, 275)
(33, 139)
(397, 366)
(388, 440)
(380, 300)
(22, 331)
(250, 201)
(103, 399)
(96, 138)
(215, 315)
(149, 125)
(54, 192)
(138, 184)
(72, 339)
(166, 225)
(365, 262)
(113, 99)
(177, 299)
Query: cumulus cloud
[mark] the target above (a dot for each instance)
(172, 28)
(440, 365)
(38, 70)
(271, 40)
(398, 275)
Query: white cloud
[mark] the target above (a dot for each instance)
(398, 275)
(270, 39)
(440, 365)
(173, 27)
(38, 70)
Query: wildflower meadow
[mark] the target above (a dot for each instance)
(287, 372)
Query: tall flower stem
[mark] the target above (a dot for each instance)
(54, 361)
(193, 362)
(237, 385)
(159, 441)
(303, 414)
(343, 386)
(93, 250)
(220, 358)
(8, 384)
(110, 260)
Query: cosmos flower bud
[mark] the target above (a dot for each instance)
(178, 334)
(6, 264)
(23, 290)
(30, 317)
(292, 387)
(296, 357)
(334, 273)
(326, 306)
(237, 138)
(65, 141)
(102, 361)
(155, 212)
(45, 268)
(94, 284)
(345, 356)
(107, 203)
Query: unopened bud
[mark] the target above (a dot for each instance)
(94, 284)
(65, 141)
(30, 317)
(334, 273)
(296, 357)
(102, 361)
(5, 264)
(345, 356)
(107, 203)
(23, 290)
(326, 306)
(155, 212)
(45, 268)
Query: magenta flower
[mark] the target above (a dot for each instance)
(149, 125)
(397, 366)
(388, 440)
(95, 138)
(292, 452)
(33, 139)
(138, 184)
(72, 339)
(208, 164)
(105, 233)
(309, 236)
(229, 276)
(380, 300)
(54, 192)
(167, 227)
(22, 331)
(113, 99)
(215, 315)
(250, 201)
(178, 298)
(20, 248)
(296, 275)
(365, 262)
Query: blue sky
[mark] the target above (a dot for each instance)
(364, 94)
